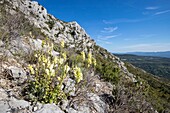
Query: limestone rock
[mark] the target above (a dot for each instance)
(70, 87)
(17, 72)
(3, 94)
(15, 103)
(4, 107)
(50, 108)
(98, 104)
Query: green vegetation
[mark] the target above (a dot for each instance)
(158, 92)
(49, 72)
(108, 70)
(155, 65)
(50, 24)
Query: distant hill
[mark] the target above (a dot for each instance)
(157, 54)
(155, 65)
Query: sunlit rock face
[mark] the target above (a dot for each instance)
(71, 32)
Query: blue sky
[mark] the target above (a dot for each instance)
(119, 25)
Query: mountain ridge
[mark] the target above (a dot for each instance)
(165, 54)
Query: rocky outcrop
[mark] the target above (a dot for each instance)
(72, 33)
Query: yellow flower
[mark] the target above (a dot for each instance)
(94, 61)
(59, 78)
(39, 59)
(43, 43)
(78, 74)
(51, 67)
(43, 64)
(52, 72)
(62, 43)
(66, 68)
(43, 59)
(64, 55)
(55, 60)
(61, 61)
(31, 69)
(47, 71)
(83, 55)
(31, 35)
(36, 55)
(89, 60)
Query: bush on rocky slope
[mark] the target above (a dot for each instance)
(49, 72)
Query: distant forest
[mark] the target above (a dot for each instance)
(158, 66)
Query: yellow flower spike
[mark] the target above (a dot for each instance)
(53, 72)
(55, 60)
(78, 74)
(47, 71)
(62, 43)
(64, 55)
(89, 55)
(39, 59)
(48, 65)
(36, 55)
(94, 61)
(66, 68)
(44, 59)
(31, 35)
(51, 67)
(43, 43)
(89, 60)
(43, 64)
(83, 55)
(59, 78)
(61, 61)
(31, 69)
(64, 76)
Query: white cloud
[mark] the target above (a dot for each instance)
(103, 41)
(108, 42)
(152, 8)
(147, 35)
(109, 29)
(153, 47)
(124, 20)
(162, 12)
(107, 37)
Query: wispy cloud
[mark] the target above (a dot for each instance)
(103, 41)
(152, 8)
(130, 39)
(153, 47)
(125, 20)
(107, 37)
(162, 12)
(109, 29)
(147, 35)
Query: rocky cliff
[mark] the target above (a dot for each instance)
(103, 91)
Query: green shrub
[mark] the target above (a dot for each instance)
(49, 73)
(108, 70)
(50, 24)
